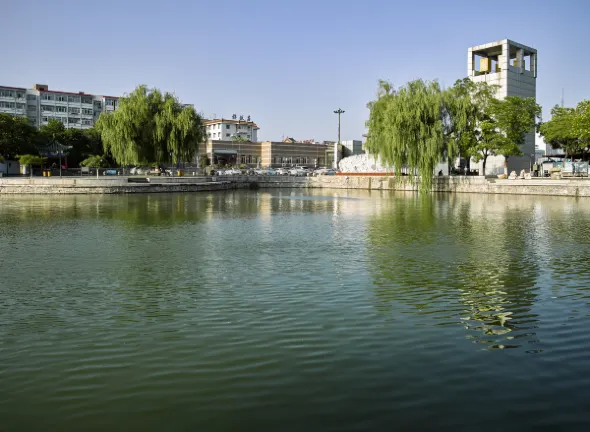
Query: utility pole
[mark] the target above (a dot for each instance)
(338, 111)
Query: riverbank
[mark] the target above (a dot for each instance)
(123, 185)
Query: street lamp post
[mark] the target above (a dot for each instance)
(338, 111)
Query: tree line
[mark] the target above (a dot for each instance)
(149, 127)
(420, 124)
(569, 129)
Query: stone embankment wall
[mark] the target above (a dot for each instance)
(109, 186)
(197, 184)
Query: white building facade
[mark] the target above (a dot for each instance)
(39, 104)
(513, 67)
(353, 147)
(229, 129)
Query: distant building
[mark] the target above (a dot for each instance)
(39, 104)
(352, 147)
(227, 129)
(267, 154)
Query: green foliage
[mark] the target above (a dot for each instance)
(17, 136)
(560, 132)
(515, 117)
(582, 121)
(30, 159)
(240, 138)
(54, 130)
(94, 162)
(150, 127)
(473, 126)
(203, 161)
(83, 143)
(409, 128)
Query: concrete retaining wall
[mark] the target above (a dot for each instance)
(196, 184)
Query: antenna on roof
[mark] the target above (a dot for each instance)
(562, 97)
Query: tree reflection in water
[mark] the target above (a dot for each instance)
(458, 260)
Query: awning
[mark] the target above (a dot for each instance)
(225, 152)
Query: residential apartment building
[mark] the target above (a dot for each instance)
(228, 129)
(39, 104)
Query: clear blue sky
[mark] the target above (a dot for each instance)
(288, 64)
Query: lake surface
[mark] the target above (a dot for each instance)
(294, 310)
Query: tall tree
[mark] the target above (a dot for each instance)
(150, 127)
(53, 131)
(515, 117)
(408, 128)
(472, 124)
(560, 131)
(582, 121)
(17, 136)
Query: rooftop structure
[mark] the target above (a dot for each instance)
(227, 129)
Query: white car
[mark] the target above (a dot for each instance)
(299, 171)
(282, 171)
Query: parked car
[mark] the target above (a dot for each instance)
(299, 171)
(282, 171)
(324, 171)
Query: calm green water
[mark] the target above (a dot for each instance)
(294, 310)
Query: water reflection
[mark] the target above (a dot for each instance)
(470, 262)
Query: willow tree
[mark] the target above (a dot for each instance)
(410, 128)
(150, 127)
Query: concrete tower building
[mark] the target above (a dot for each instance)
(513, 67)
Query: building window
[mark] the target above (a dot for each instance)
(87, 111)
(227, 126)
(86, 122)
(86, 100)
(32, 108)
(227, 134)
(6, 93)
(6, 104)
(74, 99)
(109, 102)
(31, 97)
(20, 95)
(46, 108)
(61, 109)
(74, 110)
(20, 105)
(45, 119)
(60, 98)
